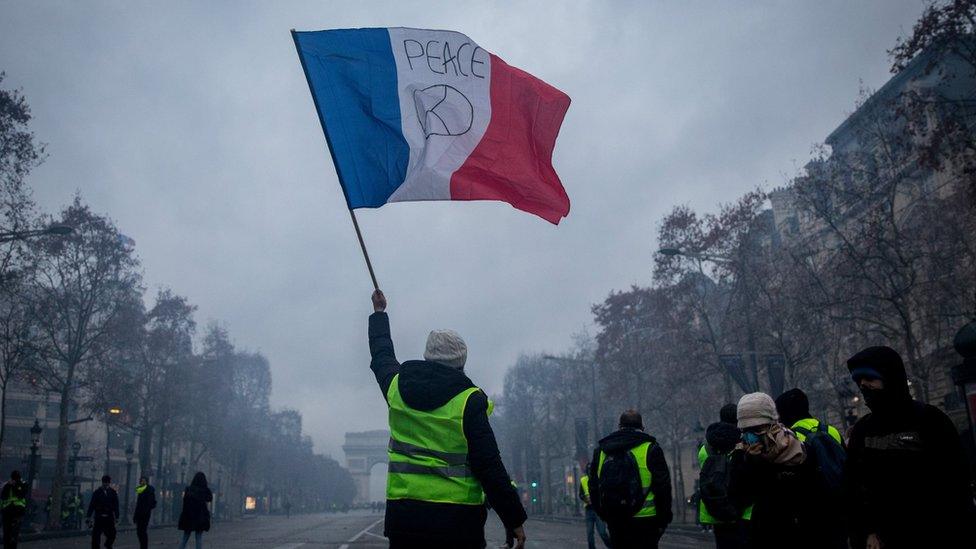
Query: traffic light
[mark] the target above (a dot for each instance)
(535, 484)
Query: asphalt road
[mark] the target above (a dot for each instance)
(360, 530)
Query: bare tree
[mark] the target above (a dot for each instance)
(84, 283)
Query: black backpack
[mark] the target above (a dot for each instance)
(713, 487)
(619, 494)
(828, 454)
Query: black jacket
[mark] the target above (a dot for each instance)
(104, 503)
(906, 477)
(145, 503)
(791, 507)
(625, 439)
(426, 386)
(195, 516)
(17, 489)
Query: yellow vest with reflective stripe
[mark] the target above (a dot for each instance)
(811, 424)
(585, 485)
(704, 516)
(13, 500)
(640, 455)
(429, 453)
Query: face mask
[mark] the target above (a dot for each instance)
(874, 398)
(751, 438)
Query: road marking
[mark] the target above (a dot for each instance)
(290, 545)
(360, 534)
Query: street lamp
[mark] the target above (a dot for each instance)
(56, 229)
(128, 477)
(35, 434)
(75, 448)
(183, 470)
(964, 375)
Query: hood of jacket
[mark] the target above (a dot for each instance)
(426, 385)
(624, 439)
(722, 437)
(895, 396)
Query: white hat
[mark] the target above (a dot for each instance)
(756, 409)
(446, 347)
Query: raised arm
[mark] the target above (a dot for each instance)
(383, 359)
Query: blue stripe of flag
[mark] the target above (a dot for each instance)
(353, 79)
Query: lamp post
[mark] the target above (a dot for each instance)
(128, 477)
(183, 471)
(964, 375)
(35, 433)
(75, 448)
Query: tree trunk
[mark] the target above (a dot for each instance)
(161, 482)
(3, 415)
(145, 449)
(54, 518)
(108, 448)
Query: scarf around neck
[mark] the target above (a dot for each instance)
(779, 445)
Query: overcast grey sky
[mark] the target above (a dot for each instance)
(191, 125)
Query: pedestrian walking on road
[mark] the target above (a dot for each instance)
(145, 503)
(103, 514)
(719, 460)
(592, 519)
(630, 485)
(907, 480)
(792, 507)
(443, 458)
(13, 500)
(195, 516)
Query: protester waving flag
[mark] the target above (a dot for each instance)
(413, 114)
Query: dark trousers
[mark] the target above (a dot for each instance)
(11, 530)
(103, 525)
(399, 542)
(593, 522)
(732, 536)
(142, 532)
(635, 533)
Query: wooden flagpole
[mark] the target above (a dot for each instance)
(328, 140)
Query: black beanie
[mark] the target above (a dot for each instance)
(727, 414)
(792, 406)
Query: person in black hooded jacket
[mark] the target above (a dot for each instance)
(635, 532)
(906, 478)
(427, 385)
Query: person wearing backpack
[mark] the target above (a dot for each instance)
(719, 459)
(793, 407)
(907, 481)
(791, 507)
(630, 485)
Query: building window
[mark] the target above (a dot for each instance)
(22, 408)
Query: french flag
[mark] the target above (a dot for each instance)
(414, 114)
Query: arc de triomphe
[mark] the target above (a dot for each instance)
(363, 450)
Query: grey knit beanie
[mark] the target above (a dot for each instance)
(756, 409)
(446, 347)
